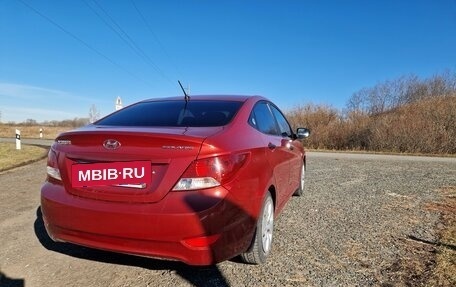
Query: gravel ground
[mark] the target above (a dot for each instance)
(360, 219)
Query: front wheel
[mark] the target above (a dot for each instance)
(262, 241)
(302, 176)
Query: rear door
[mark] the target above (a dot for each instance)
(277, 148)
(294, 155)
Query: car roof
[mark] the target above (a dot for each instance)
(241, 98)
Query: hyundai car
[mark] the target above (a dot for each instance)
(197, 179)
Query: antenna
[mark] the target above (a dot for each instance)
(187, 97)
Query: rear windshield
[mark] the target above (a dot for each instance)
(196, 113)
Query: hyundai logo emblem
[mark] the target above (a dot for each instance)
(111, 144)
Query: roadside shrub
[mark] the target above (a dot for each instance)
(407, 115)
(425, 126)
(321, 120)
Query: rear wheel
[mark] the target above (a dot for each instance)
(262, 241)
(302, 176)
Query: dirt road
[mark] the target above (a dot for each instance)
(353, 226)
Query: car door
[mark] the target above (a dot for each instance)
(276, 148)
(292, 153)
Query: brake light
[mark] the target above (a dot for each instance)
(200, 242)
(52, 168)
(211, 172)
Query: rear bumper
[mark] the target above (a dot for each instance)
(151, 229)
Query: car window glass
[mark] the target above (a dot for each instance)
(196, 113)
(263, 120)
(284, 127)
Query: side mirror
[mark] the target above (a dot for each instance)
(302, 133)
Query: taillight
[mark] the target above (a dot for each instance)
(211, 172)
(52, 168)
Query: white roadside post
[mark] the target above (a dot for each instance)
(18, 139)
(41, 133)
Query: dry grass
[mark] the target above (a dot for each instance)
(33, 132)
(424, 127)
(10, 157)
(423, 262)
(444, 274)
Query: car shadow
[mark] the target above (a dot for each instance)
(10, 282)
(196, 275)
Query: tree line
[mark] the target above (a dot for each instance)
(407, 115)
(71, 123)
(94, 115)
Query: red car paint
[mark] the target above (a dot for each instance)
(235, 162)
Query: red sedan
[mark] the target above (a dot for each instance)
(198, 180)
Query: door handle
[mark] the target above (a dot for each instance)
(271, 146)
(290, 145)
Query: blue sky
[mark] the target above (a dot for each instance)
(58, 58)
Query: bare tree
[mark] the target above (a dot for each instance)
(94, 114)
(30, 122)
(391, 94)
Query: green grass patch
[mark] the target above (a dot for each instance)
(10, 157)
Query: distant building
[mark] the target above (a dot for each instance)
(118, 103)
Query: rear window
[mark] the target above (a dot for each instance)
(196, 113)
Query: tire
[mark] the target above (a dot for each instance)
(262, 240)
(302, 176)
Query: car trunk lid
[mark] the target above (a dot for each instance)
(165, 153)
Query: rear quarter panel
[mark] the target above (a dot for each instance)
(254, 178)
